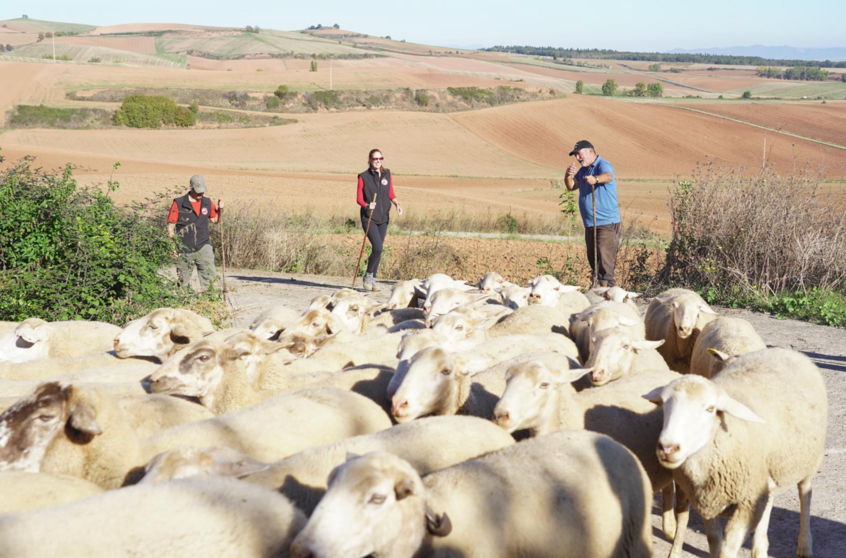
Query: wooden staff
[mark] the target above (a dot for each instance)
(595, 247)
(222, 247)
(364, 240)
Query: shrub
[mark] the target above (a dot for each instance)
(313, 65)
(422, 98)
(746, 95)
(281, 91)
(272, 103)
(69, 252)
(655, 90)
(609, 88)
(580, 87)
(152, 111)
(472, 94)
(326, 98)
(9, 48)
(95, 59)
(27, 116)
(194, 107)
(655, 67)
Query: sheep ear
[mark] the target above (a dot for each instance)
(719, 355)
(420, 291)
(568, 288)
(707, 309)
(270, 347)
(184, 333)
(737, 409)
(238, 469)
(571, 375)
(601, 290)
(83, 418)
(404, 487)
(655, 395)
(232, 354)
(631, 296)
(437, 525)
(350, 456)
(629, 322)
(645, 345)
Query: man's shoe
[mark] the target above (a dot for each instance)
(368, 281)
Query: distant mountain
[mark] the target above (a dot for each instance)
(772, 52)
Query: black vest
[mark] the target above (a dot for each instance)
(192, 230)
(383, 203)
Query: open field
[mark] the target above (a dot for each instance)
(140, 45)
(39, 26)
(84, 53)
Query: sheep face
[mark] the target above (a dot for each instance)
(155, 335)
(195, 371)
(686, 310)
(351, 311)
(268, 329)
(616, 294)
(375, 505)
(600, 318)
(322, 301)
(693, 411)
(613, 354)
(431, 382)
(452, 327)
(185, 462)
(546, 289)
(514, 296)
(28, 426)
(490, 282)
(443, 302)
(402, 294)
(317, 324)
(525, 403)
(27, 342)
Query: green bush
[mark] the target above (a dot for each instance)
(422, 98)
(655, 90)
(325, 98)
(746, 95)
(64, 57)
(281, 91)
(609, 88)
(472, 94)
(152, 111)
(272, 103)
(70, 253)
(580, 87)
(194, 107)
(95, 59)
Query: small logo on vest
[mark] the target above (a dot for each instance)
(384, 182)
(205, 211)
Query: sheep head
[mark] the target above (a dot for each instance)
(515, 296)
(160, 333)
(693, 411)
(490, 282)
(184, 462)
(402, 294)
(431, 385)
(546, 289)
(686, 309)
(376, 504)
(613, 354)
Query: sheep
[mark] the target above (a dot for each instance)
(446, 300)
(275, 319)
(441, 383)
(187, 461)
(720, 342)
(515, 296)
(84, 433)
(760, 426)
(490, 282)
(404, 295)
(23, 491)
(100, 367)
(585, 325)
(677, 316)
(548, 291)
(457, 326)
(378, 504)
(35, 339)
(317, 325)
(161, 333)
(541, 399)
(613, 294)
(437, 282)
(216, 517)
(320, 301)
(616, 354)
(362, 315)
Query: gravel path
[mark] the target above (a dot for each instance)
(253, 292)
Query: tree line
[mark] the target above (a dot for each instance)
(659, 56)
(803, 73)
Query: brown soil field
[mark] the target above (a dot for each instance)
(18, 39)
(141, 45)
(144, 27)
(624, 80)
(640, 139)
(825, 122)
(18, 79)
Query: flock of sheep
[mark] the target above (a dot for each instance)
(358, 429)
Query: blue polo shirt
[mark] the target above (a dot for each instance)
(607, 207)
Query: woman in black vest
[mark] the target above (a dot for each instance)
(372, 181)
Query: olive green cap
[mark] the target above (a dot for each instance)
(198, 184)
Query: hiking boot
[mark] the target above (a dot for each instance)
(369, 282)
(374, 286)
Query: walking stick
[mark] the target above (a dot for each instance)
(363, 242)
(222, 251)
(595, 248)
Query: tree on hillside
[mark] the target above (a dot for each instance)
(609, 88)
(9, 48)
(580, 87)
(281, 91)
(25, 16)
(843, 78)
(655, 67)
(655, 90)
(336, 26)
(746, 95)
(639, 90)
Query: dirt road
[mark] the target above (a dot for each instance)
(255, 291)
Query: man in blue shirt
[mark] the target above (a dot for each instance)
(597, 174)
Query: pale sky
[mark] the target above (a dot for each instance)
(614, 24)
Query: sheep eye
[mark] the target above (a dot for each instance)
(627, 347)
(203, 358)
(459, 328)
(445, 371)
(377, 499)
(153, 326)
(46, 418)
(354, 308)
(711, 409)
(544, 385)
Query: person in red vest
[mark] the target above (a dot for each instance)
(188, 224)
(372, 181)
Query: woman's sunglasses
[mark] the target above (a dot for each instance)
(377, 159)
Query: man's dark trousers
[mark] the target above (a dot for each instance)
(607, 239)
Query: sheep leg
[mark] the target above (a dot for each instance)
(760, 542)
(668, 513)
(714, 533)
(682, 515)
(737, 530)
(805, 548)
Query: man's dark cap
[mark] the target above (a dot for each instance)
(581, 144)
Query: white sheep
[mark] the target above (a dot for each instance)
(604, 315)
(404, 295)
(490, 282)
(274, 320)
(759, 426)
(361, 315)
(437, 382)
(720, 342)
(161, 333)
(87, 435)
(529, 499)
(549, 291)
(531, 320)
(35, 339)
(188, 461)
(613, 294)
(25, 491)
(514, 296)
(616, 354)
(437, 282)
(103, 367)
(447, 300)
(541, 399)
(214, 517)
(677, 316)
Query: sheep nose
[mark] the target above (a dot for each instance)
(299, 550)
(397, 408)
(667, 449)
(503, 416)
(117, 342)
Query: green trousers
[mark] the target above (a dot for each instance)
(203, 259)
